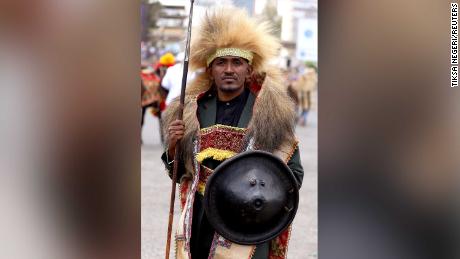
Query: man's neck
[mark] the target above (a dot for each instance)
(227, 96)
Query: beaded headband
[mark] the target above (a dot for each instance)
(231, 52)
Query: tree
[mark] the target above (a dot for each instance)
(270, 13)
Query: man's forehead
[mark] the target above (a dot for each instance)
(232, 52)
(230, 58)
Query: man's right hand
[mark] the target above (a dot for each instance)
(176, 131)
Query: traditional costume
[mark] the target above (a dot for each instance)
(149, 90)
(151, 80)
(261, 118)
(152, 95)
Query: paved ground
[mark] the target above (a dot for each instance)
(156, 187)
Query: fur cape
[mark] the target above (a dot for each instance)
(273, 119)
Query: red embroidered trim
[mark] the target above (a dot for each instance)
(183, 189)
(278, 246)
(252, 252)
(221, 137)
(212, 251)
(205, 173)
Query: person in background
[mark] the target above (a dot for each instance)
(304, 86)
(172, 81)
(291, 91)
(151, 94)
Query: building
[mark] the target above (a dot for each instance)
(170, 25)
(299, 29)
(298, 32)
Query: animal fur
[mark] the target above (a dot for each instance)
(273, 119)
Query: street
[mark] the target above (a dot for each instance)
(156, 188)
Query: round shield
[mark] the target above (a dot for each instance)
(251, 198)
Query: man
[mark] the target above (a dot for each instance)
(238, 104)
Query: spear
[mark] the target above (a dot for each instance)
(179, 117)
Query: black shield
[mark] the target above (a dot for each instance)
(251, 198)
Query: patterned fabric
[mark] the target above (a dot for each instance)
(222, 137)
(150, 93)
(279, 245)
(218, 240)
(222, 248)
(183, 189)
(188, 209)
(204, 175)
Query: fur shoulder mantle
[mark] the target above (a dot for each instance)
(273, 120)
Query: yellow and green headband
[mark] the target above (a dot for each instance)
(246, 54)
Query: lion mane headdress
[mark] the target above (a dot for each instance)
(227, 31)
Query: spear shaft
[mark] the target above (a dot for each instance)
(180, 116)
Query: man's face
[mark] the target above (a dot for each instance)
(229, 73)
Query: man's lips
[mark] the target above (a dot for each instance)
(228, 78)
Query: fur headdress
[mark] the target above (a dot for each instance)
(230, 27)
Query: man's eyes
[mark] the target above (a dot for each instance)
(234, 62)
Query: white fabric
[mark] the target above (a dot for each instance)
(172, 81)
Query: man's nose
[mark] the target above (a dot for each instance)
(228, 68)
